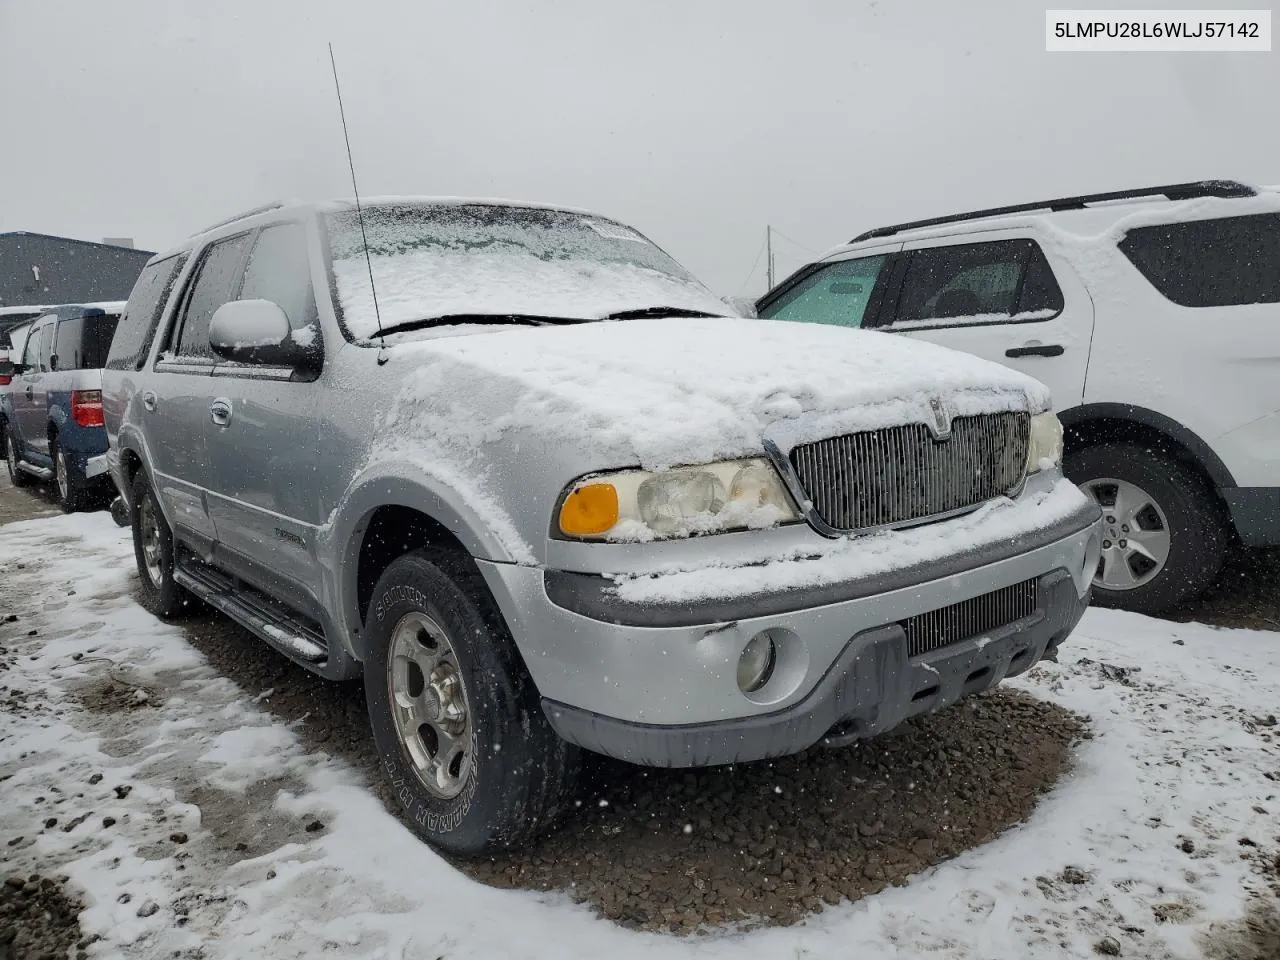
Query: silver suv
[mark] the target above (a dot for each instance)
(512, 465)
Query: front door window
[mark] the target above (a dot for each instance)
(836, 293)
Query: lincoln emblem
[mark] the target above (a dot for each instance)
(941, 425)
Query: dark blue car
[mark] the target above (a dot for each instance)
(51, 412)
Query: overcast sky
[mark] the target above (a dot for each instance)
(698, 121)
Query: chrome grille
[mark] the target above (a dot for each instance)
(969, 618)
(902, 474)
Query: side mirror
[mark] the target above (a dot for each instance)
(53, 361)
(256, 331)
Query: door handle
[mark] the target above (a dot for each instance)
(149, 399)
(1039, 350)
(220, 411)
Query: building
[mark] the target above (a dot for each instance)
(36, 268)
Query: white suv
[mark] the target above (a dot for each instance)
(1152, 315)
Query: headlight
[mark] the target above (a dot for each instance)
(639, 505)
(1046, 442)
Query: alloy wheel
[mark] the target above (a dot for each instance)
(1135, 534)
(152, 552)
(64, 484)
(429, 704)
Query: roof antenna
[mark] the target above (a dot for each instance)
(382, 351)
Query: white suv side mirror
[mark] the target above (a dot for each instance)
(255, 331)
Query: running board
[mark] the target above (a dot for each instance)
(256, 612)
(40, 473)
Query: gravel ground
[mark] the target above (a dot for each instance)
(38, 920)
(1257, 936)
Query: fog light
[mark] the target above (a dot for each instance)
(755, 666)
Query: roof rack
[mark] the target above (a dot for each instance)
(241, 216)
(1179, 191)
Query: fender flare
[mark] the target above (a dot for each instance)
(399, 485)
(132, 441)
(1204, 454)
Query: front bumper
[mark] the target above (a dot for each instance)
(873, 686)
(657, 682)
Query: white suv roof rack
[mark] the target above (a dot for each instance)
(1177, 191)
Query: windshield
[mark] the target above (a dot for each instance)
(434, 260)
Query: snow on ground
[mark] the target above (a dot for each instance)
(1181, 767)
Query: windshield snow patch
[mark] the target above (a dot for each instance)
(430, 261)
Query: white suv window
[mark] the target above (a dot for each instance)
(1226, 262)
(1003, 280)
(836, 293)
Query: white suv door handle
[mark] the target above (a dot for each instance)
(149, 399)
(220, 411)
(1036, 350)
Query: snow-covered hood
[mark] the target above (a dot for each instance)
(661, 392)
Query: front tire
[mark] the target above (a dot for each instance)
(153, 549)
(1164, 536)
(455, 716)
(18, 478)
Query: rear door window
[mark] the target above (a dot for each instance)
(137, 325)
(837, 293)
(996, 282)
(216, 279)
(31, 350)
(1231, 261)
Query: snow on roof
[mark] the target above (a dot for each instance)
(425, 200)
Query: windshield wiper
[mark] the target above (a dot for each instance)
(641, 312)
(496, 319)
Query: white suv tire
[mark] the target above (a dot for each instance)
(1150, 500)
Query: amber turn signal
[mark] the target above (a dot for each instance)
(589, 510)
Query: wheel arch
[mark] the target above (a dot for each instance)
(133, 457)
(1093, 423)
(386, 518)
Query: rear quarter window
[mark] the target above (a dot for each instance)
(83, 342)
(1231, 261)
(67, 343)
(136, 327)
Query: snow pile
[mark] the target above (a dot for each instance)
(1149, 829)
(663, 392)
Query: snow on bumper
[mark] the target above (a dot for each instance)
(656, 680)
